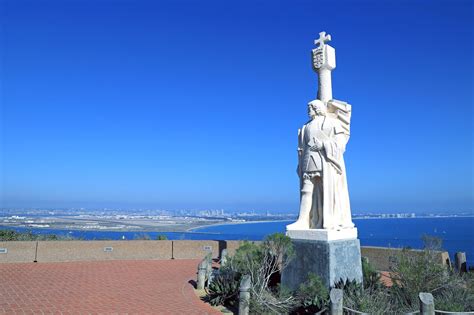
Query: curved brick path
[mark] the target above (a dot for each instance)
(105, 287)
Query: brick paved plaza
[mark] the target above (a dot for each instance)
(101, 287)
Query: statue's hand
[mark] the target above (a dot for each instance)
(317, 146)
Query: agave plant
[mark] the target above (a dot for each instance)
(313, 294)
(224, 288)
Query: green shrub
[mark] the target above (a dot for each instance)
(246, 257)
(11, 235)
(262, 262)
(458, 299)
(161, 237)
(371, 277)
(8, 235)
(414, 273)
(457, 295)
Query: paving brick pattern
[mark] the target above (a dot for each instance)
(102, 287)
(385, 278)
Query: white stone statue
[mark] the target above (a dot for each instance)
(324, 237)
(321, 144)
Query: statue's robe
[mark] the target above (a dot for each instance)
(333, 131)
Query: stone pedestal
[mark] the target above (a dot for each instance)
(331, 260)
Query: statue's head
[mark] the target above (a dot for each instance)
(316, 108)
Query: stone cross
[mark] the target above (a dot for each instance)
(323, 38)
(324, 61)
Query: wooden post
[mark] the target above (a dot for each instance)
(365, 259)
(460, 261)
(426, 304)
(336, 299)
(202, 273)
(244, 296)
(223, 257)
(208, 259)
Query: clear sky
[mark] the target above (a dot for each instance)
(196, 104)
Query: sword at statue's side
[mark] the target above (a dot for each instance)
(324, 61)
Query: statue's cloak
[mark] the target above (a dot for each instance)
(336, 212)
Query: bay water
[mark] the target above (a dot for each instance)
(457, 233)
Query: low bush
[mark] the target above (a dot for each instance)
(410, 274)
(11, 235)
(263, 263)
(458, 295)
(371, 278)
(372, 300)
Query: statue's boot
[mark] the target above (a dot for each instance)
(305, 208)
(298, 225)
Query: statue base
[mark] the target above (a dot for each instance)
(331, 260)
(322, 235)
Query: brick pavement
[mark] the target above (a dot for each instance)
(101, 287)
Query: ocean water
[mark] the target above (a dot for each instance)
(457, 233)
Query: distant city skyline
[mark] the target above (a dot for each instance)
(358, 213)
(196, 105)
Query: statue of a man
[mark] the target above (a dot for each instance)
(321, 145)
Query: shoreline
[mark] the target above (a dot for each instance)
(195, 229)
(26, 228)
(235, 223)
(362, 218)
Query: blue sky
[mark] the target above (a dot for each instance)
(196, 104)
